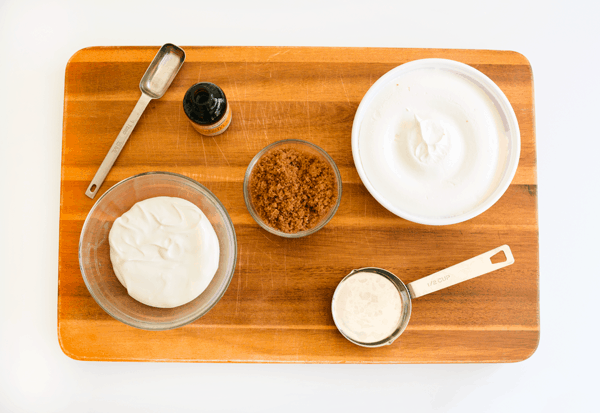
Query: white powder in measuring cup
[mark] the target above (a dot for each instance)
(367, 307)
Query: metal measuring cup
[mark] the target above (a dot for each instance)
(458, 273)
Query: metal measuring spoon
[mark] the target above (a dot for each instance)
(154, 84)
(458, 273)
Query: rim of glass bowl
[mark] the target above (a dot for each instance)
(248, 201)
(505, 110)
(194, 316)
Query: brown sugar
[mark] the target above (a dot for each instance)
(292, 190)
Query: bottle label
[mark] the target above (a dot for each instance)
(216, 128)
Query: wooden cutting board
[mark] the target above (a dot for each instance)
(277, 308)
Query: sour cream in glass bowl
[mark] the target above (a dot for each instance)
(95, 256)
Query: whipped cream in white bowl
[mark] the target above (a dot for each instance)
(436, 141)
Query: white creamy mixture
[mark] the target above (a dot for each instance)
(164, 251)
(367, 307)
(431, 142)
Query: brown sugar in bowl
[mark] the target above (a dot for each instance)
(292, 188)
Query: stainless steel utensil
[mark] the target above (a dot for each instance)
(466, 270)
(154, 84)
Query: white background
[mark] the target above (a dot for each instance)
(559, 38)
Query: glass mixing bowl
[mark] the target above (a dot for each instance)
(94, 250)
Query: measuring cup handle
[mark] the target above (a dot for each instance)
(458, 273)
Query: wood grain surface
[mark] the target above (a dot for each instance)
(277, 308)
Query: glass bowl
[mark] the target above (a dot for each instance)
(304, 147)
(94, 250)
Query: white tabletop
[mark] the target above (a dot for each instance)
(561, 42)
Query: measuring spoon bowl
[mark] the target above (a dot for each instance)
(162, 71)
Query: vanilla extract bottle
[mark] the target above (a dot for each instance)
(207, 108)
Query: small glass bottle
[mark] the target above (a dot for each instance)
(207, 108)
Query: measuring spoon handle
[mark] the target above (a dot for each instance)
(458, 273)
(116, 147)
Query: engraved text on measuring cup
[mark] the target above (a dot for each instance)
(439, 280)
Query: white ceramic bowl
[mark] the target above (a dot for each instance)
(499, 102)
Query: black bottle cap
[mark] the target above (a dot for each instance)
(205, 103)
